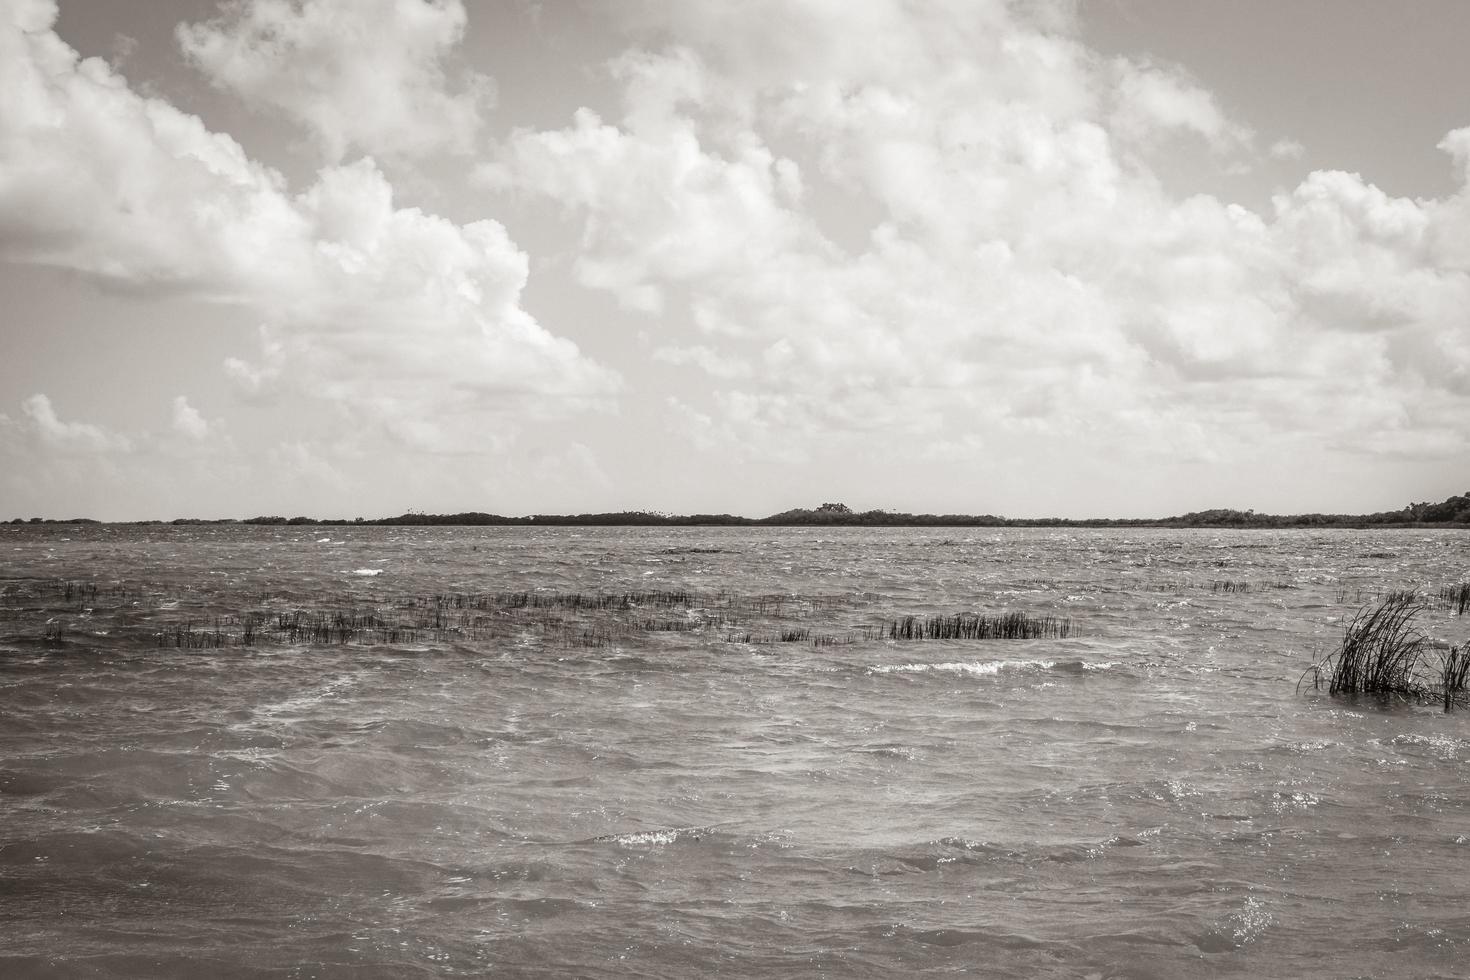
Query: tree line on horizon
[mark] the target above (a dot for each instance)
(1453, 510)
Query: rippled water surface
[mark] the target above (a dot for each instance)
(399, 752)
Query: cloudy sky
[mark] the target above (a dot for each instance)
(356, 257)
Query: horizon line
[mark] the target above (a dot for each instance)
(1455, 510)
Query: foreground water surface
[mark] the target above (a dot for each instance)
(401, 752)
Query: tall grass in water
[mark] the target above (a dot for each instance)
(1383, 652)
(187, 619)
(1454, 672)
(1455, 598)
(977, 626)
(1381, 649)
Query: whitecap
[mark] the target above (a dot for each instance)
(367, 571)
(655, 837)
(1251, 920)
(301, 703)
(256, 755)
(972, 668)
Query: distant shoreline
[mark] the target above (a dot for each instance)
(1451, 513)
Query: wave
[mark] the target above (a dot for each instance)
(890, 751)
(660, 837)
(299, 706)
(947, 852)
(987, 668)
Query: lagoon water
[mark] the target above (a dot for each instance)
(531, 787)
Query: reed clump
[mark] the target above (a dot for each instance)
(1454, 672)
(1381, 649)
(79, 591)
(185, 636)
(978, 626)
(1214, 585)
(1383, 652)
(962, 626)
(792, 636)
(1455, 598)
(622, 601)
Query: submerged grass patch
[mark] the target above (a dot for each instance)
(1217, 585)
(205, 620)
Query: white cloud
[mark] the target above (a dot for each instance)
(53, 433)
(59, 467)
(407, 323)
(187, 421)
(41, 431)
(366, 75)
(885, 232)
(1027, 275)
(707, 359)
(1153, 101)
(682, 213)
(1287, 149)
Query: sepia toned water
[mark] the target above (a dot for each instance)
(639, 791)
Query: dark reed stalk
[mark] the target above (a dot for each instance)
(1381, 649)
(977, 626)
(1380, 653)
(1454, 671)
(793, 636)
(1455, 598)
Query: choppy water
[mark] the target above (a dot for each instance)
(521, 791)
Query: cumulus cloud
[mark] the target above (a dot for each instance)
(682, 213)
(706, 358)
(1154, 101)
(41, 430)
(63, 467)
(408, 323)
(187, 421)
(53, 433)
(1026, 273)
(365, 75)
(888, 231)
(1287, 149)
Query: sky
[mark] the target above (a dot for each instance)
(345, 258)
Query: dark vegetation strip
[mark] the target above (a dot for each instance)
(567, 619)
(974, 626)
